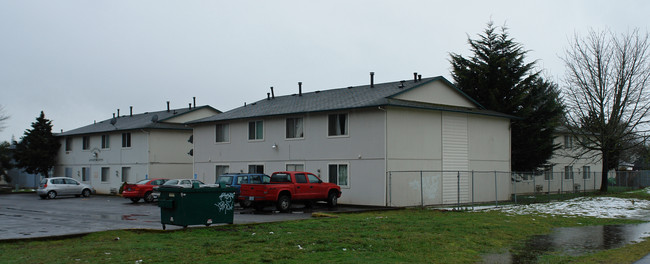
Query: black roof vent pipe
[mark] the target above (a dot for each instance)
(167, 106)
(131, 112)
(194, 98)
(272, 93)
(118, 112)
(419, 77)
(415, 77)
(372, 79)
(299, 88)
(401, 84)
(268, 96)
(190, 105)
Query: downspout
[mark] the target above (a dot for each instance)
(385, 155)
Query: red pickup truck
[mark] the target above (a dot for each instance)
(286, 187)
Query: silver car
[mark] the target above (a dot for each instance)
(50, 188)
(178, 183)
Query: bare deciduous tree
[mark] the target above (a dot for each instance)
(606, 93)
(3, 118)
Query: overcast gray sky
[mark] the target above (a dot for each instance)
(80, 61)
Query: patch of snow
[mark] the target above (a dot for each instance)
(601, 207)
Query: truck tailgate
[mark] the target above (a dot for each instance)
(256, 190)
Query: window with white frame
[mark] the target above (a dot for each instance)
(85, 174)
(106, 142)
(222, 133)
(221, 170)
(256, 130)
(337, 125)
(126, 140)
(105, 174)
(338, 174)
(568, 172)
(568, 141)
(294, 128)
(295, 167)
(255, 168)
(68, 144)
(548, 173)
(85, 144)
(586, 172)
(126, 174)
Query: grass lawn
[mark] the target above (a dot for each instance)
(400, 236)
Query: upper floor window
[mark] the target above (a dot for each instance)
(85, 142)
(126, 140)
(256, 130)
(568, 141)
(68, 144)
(337, 125)
(294, 128)
(222, 133)
(105, 142)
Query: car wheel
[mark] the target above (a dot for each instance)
(284, 203)
(245, 203)
(148, 197)
(332, 199)
(135, 200)
(51, 195)
(85, 193)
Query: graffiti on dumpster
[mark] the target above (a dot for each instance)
(226, 202)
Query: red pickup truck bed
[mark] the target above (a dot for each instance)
(290, 186)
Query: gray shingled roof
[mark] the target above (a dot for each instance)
(136, 121)
(341, 99)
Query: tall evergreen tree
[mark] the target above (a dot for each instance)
(498, 78)
(5, 160)
(36, 153)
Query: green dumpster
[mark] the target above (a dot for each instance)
(196, 206)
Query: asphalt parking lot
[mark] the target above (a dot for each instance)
(27, 216)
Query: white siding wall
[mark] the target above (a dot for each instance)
(168, 154)
(362, 150)
(473, 142)
(114, 158)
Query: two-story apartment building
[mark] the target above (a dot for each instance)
(131, 147)
(355, 136)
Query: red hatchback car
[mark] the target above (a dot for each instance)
(141, 189)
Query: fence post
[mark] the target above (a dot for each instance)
(561, 183)
(458, 186)
(496, 190)
(421, 190)
(534, 185)
(390, 188)
(472, 189)
(515, 183)
(550, 178)
(573, 181)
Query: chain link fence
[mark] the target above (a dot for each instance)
(468, 188)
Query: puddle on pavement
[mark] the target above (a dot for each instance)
(573, 241)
